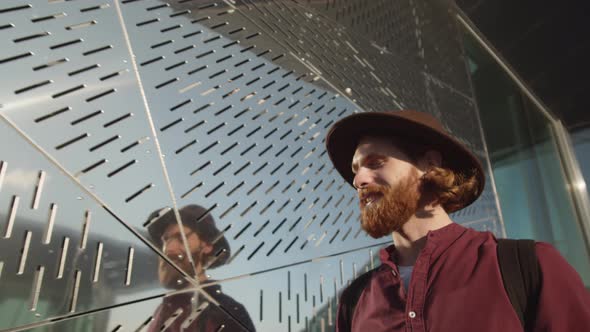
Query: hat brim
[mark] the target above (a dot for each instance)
(343, 138)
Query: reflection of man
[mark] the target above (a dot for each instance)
(439, 276)
(190, 310)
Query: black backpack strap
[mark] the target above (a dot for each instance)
(349, 298)
(521, 276)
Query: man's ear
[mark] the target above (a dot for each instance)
(430, 159)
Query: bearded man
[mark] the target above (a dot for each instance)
(438, 276)
(188, 309)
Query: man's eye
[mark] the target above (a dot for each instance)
(375, 164)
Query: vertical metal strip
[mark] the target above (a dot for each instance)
(75, 290)
(3, 167)
(63, 257)
(576, 183)
(39, 190)
(25, 253)
(50, 224)
(85, 229)
(11, 217)
(97, 262)
(36, 290)
(130, 256)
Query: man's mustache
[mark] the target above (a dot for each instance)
(373, 189)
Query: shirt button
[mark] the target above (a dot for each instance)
(412, 314)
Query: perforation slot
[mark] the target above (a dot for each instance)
(24, 253)
(36, 289)
(11, 216)
(3, 168)
(97, 262)
(63, 257)
(50, 224)
(129, 269)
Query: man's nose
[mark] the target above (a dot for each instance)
(362, 178)
(173, 248)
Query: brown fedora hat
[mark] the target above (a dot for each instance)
(417, 127)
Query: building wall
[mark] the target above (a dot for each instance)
(114, 109)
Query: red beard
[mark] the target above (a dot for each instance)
(169, 276)
(394, 208)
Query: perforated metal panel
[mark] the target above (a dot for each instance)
(112, 110)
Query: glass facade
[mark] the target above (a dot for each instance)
(530, 181)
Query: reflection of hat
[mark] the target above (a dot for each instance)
(200, 221)
(417, 127)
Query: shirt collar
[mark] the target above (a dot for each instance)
(436, 241)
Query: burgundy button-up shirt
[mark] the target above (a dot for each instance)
(456, 285)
